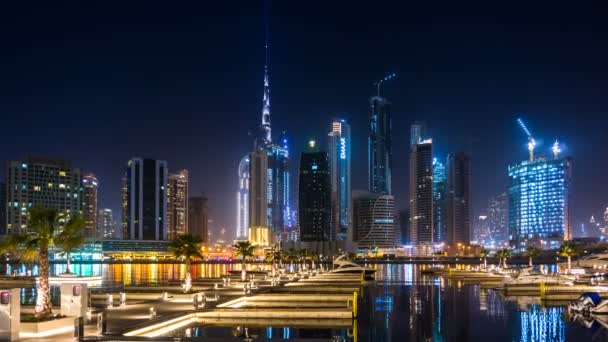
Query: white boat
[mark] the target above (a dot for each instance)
(344, 266)
(595, 261)
(528, 276)
(590, 302)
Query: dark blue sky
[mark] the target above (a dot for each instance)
(99, 83)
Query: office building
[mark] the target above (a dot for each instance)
(198, 217)
(539, 202)
(278, 208)
(340, 172)
(177, 204)
(458, 199)
(315, 196)
(89, 206)
(374, 220)
(3, 208)
(145, 200)
(498, 220)
(440, 230)
(258, 189)
(421, 194)
(242, 199)
(40, 181)
(380, 146)
(403, 237)
(106, 227)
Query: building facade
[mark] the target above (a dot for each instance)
(146, 200)
(89, 206)
(242, 200)
(440, 229)
(177, 204)
(380, 146)
(539, 202)
(106, 227)
(374, 220)
(40, 181)
(198, 217)
(459, 199)
(3, 208)
(258, 189)
(340, 172)
(498, 220)
(278, 191)
(421, 194)
(314, 210)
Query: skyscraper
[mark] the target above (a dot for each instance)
(198, 217)
(177, 204)
(106, 227)
(89, 208)
(379, 146)
(539, 202)
(374, 220)
(498, 219)
(258, 188)
(315, 196)
(459, 199)
(278, 186)
(40, 181)
(146, 200)
(421, 194)
(3, 208)
(242, 199)
(340, 172)
(440, 230)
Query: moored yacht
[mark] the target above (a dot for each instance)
(528, 276)
(344, 266)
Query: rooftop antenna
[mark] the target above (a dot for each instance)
(556, 149)
(377, 84)
(531, 141)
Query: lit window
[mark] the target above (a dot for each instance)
(37, 188)
(50, 185)
(61, 186)
(62, 173)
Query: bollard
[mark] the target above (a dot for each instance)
(216, 286)
(225, 281)
(195, 302)
(123, 299)
(165, 296)
(152, 313)
(355, 298)
(110, 300)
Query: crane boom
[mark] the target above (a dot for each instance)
(531, 141)
(386, 78)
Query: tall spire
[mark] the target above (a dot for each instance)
(266, 130)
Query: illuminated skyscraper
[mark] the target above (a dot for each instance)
(439, 202)
(198, 217)
(459, 199)
(498, 219)
(315, 196)
(379, 146)
(89, 206)
(258, 191)
(3, 208)
(146, 200)
(539, 202)
(40, 181)
(177, 204)
(421, 194)
(340, 172)
(106, 227)
(374, 220)
(242, 199)
(278, 186)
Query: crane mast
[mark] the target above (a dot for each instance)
(531, 141)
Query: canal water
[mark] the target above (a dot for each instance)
(401, 305)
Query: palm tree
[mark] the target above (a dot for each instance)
(244, 249)
(46, 228)
(186, 247)
(568, 249)
(290, 256)
(503, 254)
(531, 252)
(70, 238)
(274, 256)
(484, 254)
(304, 257)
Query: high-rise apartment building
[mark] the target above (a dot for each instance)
(106, 227)
(278, 208)
(380, 146)
(242, 200)
(40, 181)
(89, 206)
(340, 172)
(440, 229)
(459, 199)
(3, 208)
(177, 204)
(315, 196)
(421, 193)
(498, 220)
(258, 188)
(374, 220)
(145, 199)
(539, 202)
(198, 217)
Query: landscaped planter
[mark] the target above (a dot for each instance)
(46, 328)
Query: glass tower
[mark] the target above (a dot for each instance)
(340, 171)
(314, 196)
(379, 146)
(439, 202)
(539, 211)
(242, 199)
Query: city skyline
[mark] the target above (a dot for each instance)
(553, 88)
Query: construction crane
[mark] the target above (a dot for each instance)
(531, 141)
(556, 149)
(377, 84)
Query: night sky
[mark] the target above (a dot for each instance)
(98, 83)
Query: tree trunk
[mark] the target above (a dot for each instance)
(43, 300)
(188, 266)
(569, 264)
(485, 263)
(504, 261)
(530, 262)
(67, 269)
(243, 270)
